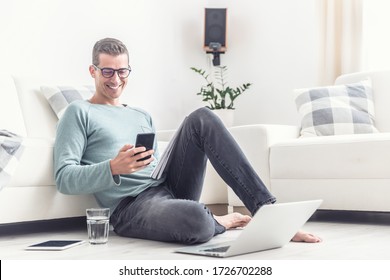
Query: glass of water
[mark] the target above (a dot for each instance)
(98, 225)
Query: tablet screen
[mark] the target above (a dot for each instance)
(55, 245)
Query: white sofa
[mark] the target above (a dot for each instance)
(349, 172)
(31, 194)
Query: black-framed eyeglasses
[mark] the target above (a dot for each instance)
(109, 72)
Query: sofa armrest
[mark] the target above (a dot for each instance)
(255, 141)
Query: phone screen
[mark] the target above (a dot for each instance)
(145, 140)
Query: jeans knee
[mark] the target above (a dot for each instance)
(204, 118)
(200, 226)
(202, 113)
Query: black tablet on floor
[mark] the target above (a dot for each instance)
(55, 245)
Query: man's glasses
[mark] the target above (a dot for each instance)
(109, 72)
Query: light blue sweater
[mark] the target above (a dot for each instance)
(88, 136)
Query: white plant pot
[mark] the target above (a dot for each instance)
(226, 115)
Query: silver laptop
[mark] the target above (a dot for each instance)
(273, 226)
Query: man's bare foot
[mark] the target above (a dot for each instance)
(302, 236)
(233, 220)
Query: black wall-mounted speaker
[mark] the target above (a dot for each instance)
(215, 28)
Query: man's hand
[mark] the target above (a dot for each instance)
(126, 160)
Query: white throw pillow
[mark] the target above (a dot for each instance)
(336, 110)
(59, 97)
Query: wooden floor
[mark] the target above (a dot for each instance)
(346, 236)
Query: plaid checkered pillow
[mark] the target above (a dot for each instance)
(335, 110)
(59, 97)
(11, 149)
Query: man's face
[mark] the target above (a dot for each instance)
(108, 90)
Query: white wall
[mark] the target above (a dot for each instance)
(271, 43)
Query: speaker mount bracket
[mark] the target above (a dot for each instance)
(216, 49)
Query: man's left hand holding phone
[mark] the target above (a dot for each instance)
(132, 158)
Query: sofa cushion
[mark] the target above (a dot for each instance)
(11, 117)
(35, 167)
(336, 110)
(332, 157)
(39, 118)
(59, 97)
(10, 151)
(380, 90)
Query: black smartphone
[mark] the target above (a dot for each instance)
(145, 140)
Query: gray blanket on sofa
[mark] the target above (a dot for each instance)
(11, 149)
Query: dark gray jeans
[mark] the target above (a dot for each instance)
(171, 212)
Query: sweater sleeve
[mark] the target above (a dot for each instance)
(71, 176)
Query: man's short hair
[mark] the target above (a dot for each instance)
(109, 46)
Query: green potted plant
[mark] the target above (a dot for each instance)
(218, 94)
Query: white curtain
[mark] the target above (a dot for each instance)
(376, 42)
(341, 38)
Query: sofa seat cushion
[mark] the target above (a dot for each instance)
(361, 156)
(41, 203)
(35, 167)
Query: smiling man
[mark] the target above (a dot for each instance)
(95, 154)
(109, 87)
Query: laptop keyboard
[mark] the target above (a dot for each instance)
(217, 249)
